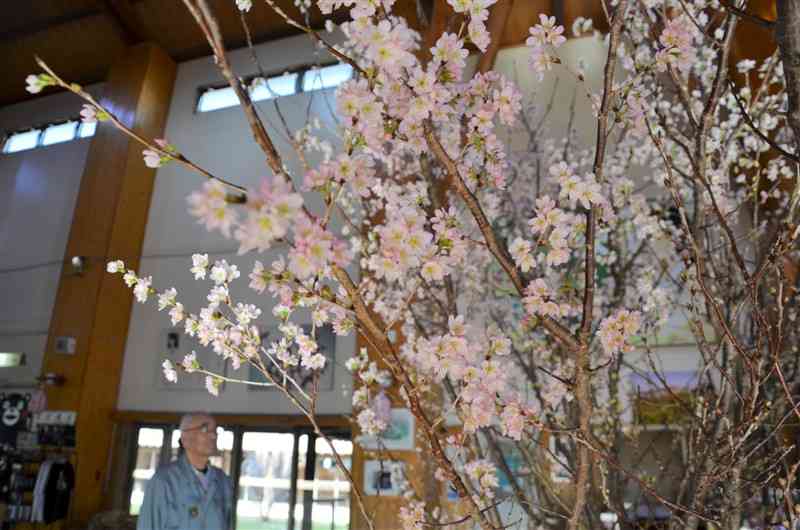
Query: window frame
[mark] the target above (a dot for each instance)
(42, 128)
(300, 71)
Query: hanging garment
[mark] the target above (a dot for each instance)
(58, 491)
(37, 515)
(175, 498)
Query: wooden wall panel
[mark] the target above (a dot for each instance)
(109, 222)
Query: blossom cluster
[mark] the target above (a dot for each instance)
(616, 330)
(676, 40)
(228, 327)
(93, 114)
(152, 158)
(545, 37)
(484, 474)
(369, 397)
(476, 369)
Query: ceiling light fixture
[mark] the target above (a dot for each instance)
(11, 359)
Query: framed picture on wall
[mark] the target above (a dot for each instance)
(379, 478)
(176, 345)
(399, 436)
(326, 342)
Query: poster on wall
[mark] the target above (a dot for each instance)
(13, 417)
(176, 347)
(326, 343)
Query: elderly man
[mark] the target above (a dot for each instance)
(189, 493)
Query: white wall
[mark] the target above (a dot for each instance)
(38, 190)
(219, 141)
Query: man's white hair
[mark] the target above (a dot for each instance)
(189, 418)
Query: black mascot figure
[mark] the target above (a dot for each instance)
(13, 417)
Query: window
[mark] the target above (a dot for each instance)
(55, 133)
(326, 77)
(21, 141)
(148, 456)
(86, 130)
(217, 98)
(277, 86)
(330, 490)
(260, 90)
(286, 480)
(274, 87)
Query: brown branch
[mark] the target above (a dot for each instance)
(373, 333)
(115, 121)
(208, 24)
(315, 35)
(499, 252)
(787, 35)
(582, 390)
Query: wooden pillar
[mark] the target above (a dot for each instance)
(496, 25)
(109, 222)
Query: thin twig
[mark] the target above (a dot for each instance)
(180, 158)
(741, 13)
(794, 158)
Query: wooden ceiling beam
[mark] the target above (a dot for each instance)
(43, 25)
(127, 21)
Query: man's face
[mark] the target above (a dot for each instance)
(200, 437)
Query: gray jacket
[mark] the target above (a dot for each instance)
(175, 499)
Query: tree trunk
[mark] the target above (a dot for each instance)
(787, 33)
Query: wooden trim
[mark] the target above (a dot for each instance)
(496, 25)
(109, 221)
(287, 421)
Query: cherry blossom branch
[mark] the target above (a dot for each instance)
(289, 20)
(721, 320)
(462, 519)
(201, 12)
(708, 112)
(289, 137)
(582, 388)
(746, 115)
(180, 158)
(227, 379)
(283, 372)
(498, 251)
(310, 415)
(642, 483)
(381, 344)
